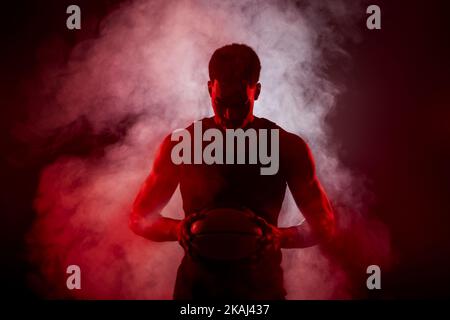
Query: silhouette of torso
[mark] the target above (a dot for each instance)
(215, 185)
(220, 185)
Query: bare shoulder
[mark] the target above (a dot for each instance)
(296, 156)
(163, 160)
(293, 142)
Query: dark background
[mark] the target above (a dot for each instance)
(393, 123)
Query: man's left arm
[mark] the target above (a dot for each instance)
(310, 198)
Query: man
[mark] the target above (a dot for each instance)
(233, 87)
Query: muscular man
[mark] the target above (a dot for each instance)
(233, 87)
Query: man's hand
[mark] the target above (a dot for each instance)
(183, 230)
(156, 229)
(275, 238)
(271, 235)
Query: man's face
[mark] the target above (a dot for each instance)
(233, 102)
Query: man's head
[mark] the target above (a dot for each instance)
(233, 86)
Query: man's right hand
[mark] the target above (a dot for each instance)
(158, 229)
(183, 230)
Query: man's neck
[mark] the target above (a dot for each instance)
(247, 122)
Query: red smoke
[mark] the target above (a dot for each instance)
(151, 62)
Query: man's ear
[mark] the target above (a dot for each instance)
(210, 85)
(257, 90)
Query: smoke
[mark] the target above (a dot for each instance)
(150, 64)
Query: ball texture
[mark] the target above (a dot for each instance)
(226, 234)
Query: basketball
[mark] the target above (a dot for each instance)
(226, 234)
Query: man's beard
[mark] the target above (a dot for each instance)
(236, 115)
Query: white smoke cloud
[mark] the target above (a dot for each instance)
(151, 60)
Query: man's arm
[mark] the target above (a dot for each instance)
(156, 191)
(309, 197)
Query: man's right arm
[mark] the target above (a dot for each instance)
(155, 192)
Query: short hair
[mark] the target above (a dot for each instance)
(234, 62)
